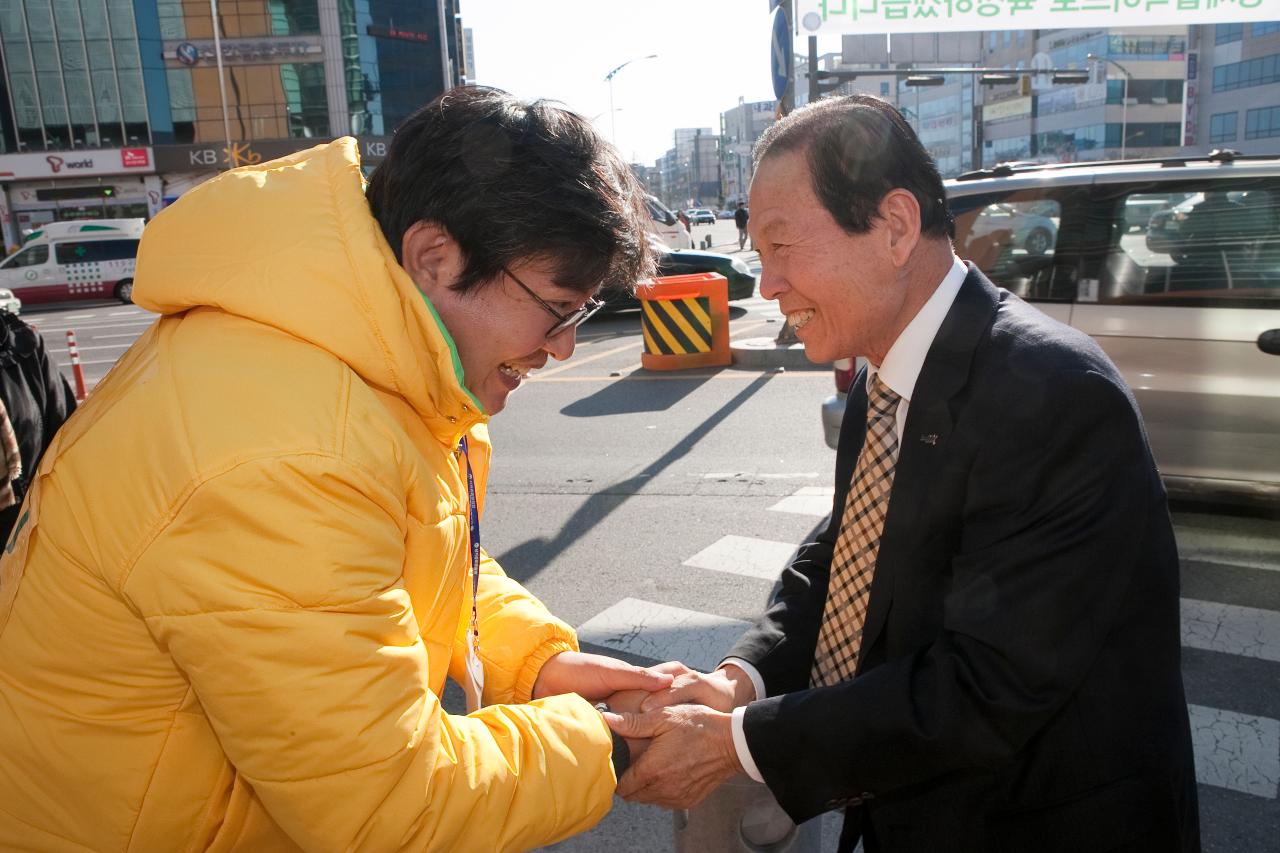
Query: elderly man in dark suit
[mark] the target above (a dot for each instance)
(981, 652)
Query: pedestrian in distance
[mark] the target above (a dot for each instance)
(254, 556)
(740, 219)
(35, 401)
(981, 650)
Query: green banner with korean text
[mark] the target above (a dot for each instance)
(817, 17)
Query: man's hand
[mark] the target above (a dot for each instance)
(628, 702)
(724, 689)
(594, 677)
(691, 754)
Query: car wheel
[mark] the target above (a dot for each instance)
(1038, 241)
(124, 291)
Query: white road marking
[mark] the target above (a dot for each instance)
(78, 328)
(77, 316)
(743, 555)
(134, 335)
(1245, 631)
(661, 633)
(744, 475)
(125, 313)
(810, 500)
(63, 350)
(66, 365)
(1236, 751)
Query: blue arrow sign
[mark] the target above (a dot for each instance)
(780, 55)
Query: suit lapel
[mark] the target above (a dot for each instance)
(924, 439)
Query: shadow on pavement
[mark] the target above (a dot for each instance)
(527, 559)
(622, 398)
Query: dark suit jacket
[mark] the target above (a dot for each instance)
(1019, 688)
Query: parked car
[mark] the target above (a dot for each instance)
(725, 214)
(1033, 233)
(741, 281)
(87, 259)
(9, 302)
(1189, 313)
(665, 225)
(700, 216)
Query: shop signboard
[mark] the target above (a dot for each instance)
(214, 156)
(75, 164)
(825, 17)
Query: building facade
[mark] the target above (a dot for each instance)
(1235, 84)
(691, 169)
(740, 127)
(1151, 92)
(113, 108)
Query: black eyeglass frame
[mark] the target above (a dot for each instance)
(564, 322)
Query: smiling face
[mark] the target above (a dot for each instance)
(841, 292)
(500, 331)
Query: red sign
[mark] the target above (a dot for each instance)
(135, 158)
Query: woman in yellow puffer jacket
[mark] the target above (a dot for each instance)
(245, 566)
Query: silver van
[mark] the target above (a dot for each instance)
(1173, 267)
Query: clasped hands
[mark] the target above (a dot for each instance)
(677, 721)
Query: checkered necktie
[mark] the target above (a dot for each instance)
(854, 562)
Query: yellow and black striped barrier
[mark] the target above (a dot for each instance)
(685, 322)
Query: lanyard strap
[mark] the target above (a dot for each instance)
(474, 534)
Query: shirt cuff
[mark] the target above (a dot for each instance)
(740, 745)
(754, 674)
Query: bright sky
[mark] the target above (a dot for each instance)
(710, 52)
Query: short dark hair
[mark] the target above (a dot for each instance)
(858, 148)
(513, 181)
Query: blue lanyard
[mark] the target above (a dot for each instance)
(474, 533)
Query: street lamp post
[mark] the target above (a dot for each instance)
(1124, 99)
(222, 82)
(613, 123)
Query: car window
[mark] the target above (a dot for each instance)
(28, 257)
(1013, 238)
(1207, 243)
(93, 251)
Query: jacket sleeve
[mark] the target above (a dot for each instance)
(1051, 534)
(276, 587)
(517, 636)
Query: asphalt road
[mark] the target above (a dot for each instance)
(652, 511)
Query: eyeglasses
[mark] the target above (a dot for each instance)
(563, 321)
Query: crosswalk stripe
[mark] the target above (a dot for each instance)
(660, 632)
(810, 500)
(1236, 751)
(743, 555)
(1245, 631)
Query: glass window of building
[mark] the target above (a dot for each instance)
(1251, 72)
(1265, 29)
(1227, 33)
(1222, 127)
(1262, 123)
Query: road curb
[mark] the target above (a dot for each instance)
(766, 353)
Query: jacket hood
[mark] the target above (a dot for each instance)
(292, 244)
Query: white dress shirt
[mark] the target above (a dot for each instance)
(900, 370)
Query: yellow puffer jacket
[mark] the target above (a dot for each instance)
(243, 573)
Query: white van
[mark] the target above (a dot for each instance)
(665, 224)
(87, 259)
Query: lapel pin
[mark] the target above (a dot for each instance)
(931, 439)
